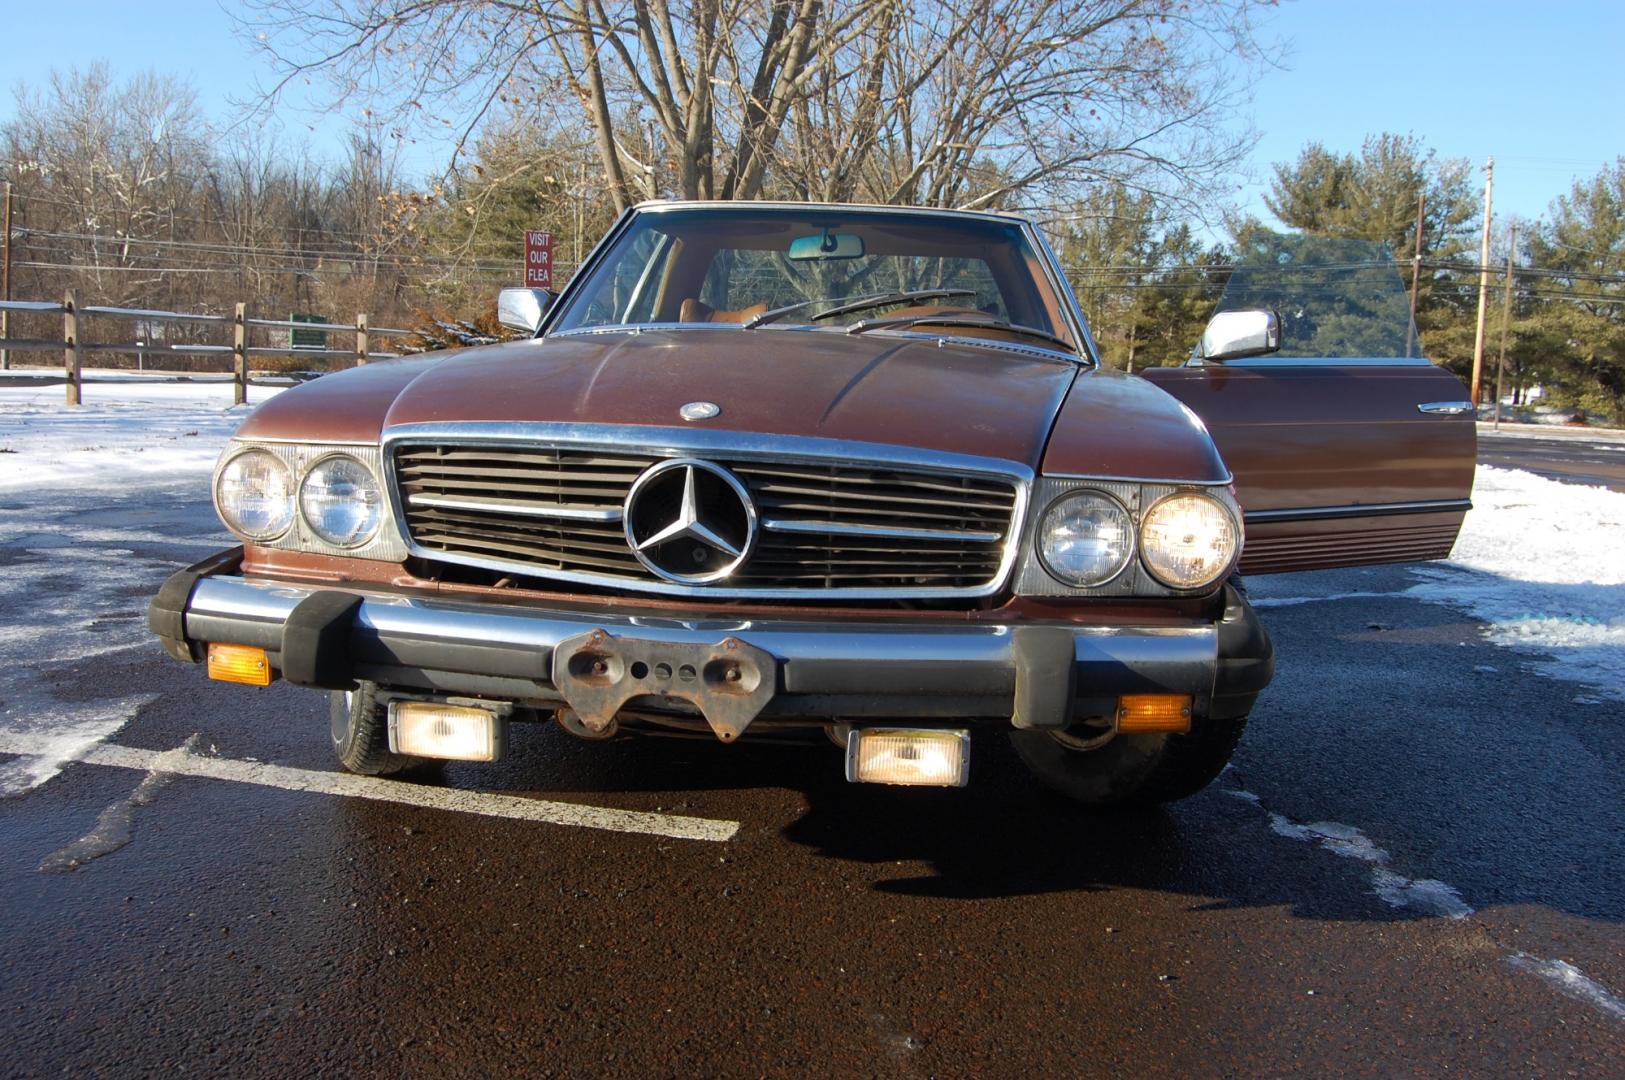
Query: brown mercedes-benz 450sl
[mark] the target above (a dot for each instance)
(793, 471)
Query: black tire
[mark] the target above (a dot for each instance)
(358, 724)
(1132, 769)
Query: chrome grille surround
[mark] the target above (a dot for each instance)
(792, 479)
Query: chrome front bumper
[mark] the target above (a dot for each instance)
(1034, 675)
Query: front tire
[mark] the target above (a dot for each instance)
(358, 723)
(1142, 769)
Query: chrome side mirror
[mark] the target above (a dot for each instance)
(1231, 335)
(523, 309)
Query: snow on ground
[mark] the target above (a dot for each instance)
(97, 505)
(124, 432)
(1542, 563)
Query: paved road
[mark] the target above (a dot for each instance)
(1417, 865)
(1574, 459)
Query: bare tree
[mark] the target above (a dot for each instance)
(947, 102)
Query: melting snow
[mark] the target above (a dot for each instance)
(97, 505)
(1543, 564)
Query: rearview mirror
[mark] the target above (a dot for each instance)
(826, 246)
(1231, 335)
(522, 309)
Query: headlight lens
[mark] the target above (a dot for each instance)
(1086, 538)
(340, 501)
(1188, 540)
(254, 494)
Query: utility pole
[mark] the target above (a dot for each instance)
(1506, 322)
(1483, 285)
(5, 276)
(1416, 275)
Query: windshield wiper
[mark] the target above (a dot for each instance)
(861, 303)
(789, 309)
(867, 302)
(909, 321)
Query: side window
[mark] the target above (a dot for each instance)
(628, 294)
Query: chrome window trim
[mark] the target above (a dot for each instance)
(1087, 350)
(663, 442)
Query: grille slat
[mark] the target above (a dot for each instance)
(843, 495)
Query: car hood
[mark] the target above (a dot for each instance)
(967, 399)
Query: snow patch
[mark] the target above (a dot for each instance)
(1427, 895)
(1542, 563)
(1293, 601)
(115, 825)
(97, 505)
(126, 431)
(1572, 982)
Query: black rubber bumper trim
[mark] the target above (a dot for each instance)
(166, 615)
(1246, 656)
(316, 641)
(1046, 676)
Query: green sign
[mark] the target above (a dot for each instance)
(307, 339)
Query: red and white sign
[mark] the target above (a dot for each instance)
(538, 259)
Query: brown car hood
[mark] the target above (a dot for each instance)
(968, 399)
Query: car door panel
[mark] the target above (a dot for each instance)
(1336, 463)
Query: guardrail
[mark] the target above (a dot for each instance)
(73, 346)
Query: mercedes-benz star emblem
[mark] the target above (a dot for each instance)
(700, 410)
(689, 521)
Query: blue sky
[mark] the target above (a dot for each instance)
(1540, 85)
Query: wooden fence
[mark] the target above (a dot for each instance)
(73, 347)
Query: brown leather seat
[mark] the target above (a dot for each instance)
(694, 311)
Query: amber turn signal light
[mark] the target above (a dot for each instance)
(239, 664)
(1154, 712)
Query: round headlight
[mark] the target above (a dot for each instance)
(254, 494)
(1086, 538)
(1188, 540)
(340, 501)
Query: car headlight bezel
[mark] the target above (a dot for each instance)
(233, 519)
(376, 506)
(1148, 533)
(1046, 557)
(1032, 578)
(387, 542)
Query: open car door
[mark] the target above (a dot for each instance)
(1346, 448)
(1337, 462)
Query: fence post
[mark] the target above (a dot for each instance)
(70, 344)
(360, 339)
(239, 355)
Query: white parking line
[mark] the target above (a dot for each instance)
(186, 763)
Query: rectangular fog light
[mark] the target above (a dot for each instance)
(453, 732)
(911, 756)
(239, 664)
(1154, 712)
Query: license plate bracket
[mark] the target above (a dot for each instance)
(730, 681)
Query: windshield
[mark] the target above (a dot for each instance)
(741, 265)
(1336, 297)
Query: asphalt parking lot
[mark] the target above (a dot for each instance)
(1415, 866)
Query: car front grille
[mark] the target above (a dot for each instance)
(832, 527)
